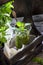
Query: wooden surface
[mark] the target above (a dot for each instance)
(33, 63)
(26, 50)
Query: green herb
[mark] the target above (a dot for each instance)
(5, 11)
(22, 35)
(38, 60)
(21, 25)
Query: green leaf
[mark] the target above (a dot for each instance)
(4, 28)
(5, 11)
(20, 24)
(38, 60)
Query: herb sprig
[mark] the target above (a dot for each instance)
(5, 11)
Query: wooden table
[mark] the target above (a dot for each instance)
(33, 63)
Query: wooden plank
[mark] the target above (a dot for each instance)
(29, 47)
(28, 58)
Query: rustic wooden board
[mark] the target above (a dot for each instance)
(26, 52)
(34, 63)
